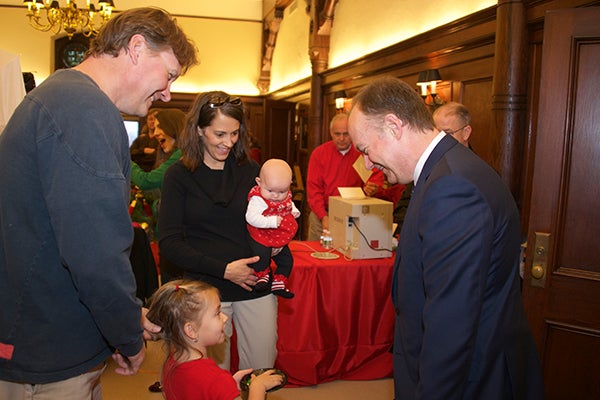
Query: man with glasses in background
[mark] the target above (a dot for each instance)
(454, 119)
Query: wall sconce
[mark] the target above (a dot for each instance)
(340, 99)
(430, 78)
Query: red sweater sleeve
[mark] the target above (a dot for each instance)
(377, 177)
(315, 183)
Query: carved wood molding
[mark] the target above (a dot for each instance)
(271, 25)
(509, 96)
(321, 19)
(322, 14)
(326, 20)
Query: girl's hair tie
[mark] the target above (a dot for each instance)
(176, 287)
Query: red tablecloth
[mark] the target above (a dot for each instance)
(340, 323)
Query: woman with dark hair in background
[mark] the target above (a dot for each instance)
(146, 203)
(169, 122)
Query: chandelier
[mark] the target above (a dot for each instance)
(69, 18)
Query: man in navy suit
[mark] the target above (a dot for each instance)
(461, 332)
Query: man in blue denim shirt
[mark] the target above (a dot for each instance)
(67, 291)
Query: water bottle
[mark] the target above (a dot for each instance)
(326, 240)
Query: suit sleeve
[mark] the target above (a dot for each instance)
(456, 227)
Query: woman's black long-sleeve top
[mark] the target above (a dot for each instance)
(202, 225)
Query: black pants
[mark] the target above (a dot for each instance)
(144, 267)
(284, 259)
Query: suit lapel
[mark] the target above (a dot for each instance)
(438, 152)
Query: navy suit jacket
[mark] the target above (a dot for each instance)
(461, 332)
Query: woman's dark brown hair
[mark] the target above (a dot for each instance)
(203, 111)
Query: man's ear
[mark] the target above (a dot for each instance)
(137, 44)
(393, 125)
(467, 133)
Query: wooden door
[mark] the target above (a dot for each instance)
(301, 152)
(563, 303)
(279, 128)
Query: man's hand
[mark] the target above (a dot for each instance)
(371, 189)
(325, 223)
(151, 331)
(128, 365)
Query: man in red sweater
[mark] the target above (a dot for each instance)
(330, 167)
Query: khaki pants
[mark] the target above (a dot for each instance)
(256, 330)
(83, 387)
(315, 228)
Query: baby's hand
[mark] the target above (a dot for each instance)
(279, 219)
(265, 381)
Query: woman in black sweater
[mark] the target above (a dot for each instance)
(202, 226)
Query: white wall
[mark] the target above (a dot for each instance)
(229, 50)
(362, 27)
(290, 58)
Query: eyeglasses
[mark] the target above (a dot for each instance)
(219, 101)
(451, 132)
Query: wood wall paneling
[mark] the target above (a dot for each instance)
(475, 95)
(566, 345)
(279, 127)
(535, 64)
(255, 114)
(183, 101)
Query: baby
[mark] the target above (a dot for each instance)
(271, 217)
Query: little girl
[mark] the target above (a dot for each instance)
(189, 313)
